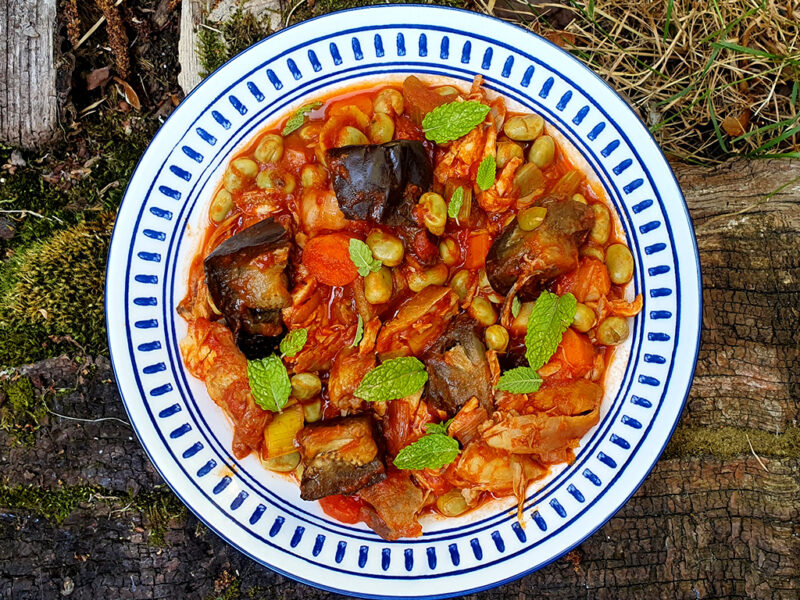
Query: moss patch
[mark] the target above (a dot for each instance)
(219, 42)
(51, 295)
(52, 505)
(725, 442)
(21, 409)
(158, 507)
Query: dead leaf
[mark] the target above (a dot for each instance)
(130, 95)
(98, 77)
(563, 39)
(738, 125)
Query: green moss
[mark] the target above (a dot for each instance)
(159, 507)
(53, 505)
(51, 294)
(725, 442)
(231, 591)
(22, 409)
(219, 42)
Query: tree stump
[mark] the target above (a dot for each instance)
(28, 101)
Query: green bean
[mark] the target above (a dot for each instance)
(282, 464)
(220, 206)
(601, 229)
(612, 331)
(378, 286)
(269, 149)
(271, 179)
(496, 338)
(381, 128)
(313, 176)
(419, 280)
(305, 386)
(530, 218)
(435, 212)
(542, 151)
(386, 248)
(619, 261)
(449, 252)
(312, 412)
(482, 311)
(506, 151)
(460, 283)
(388, 101)
(247, 168)
(452, 503)
(524, 128)
(350, 136)
(584, 318)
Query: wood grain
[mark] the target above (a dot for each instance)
(28, 101)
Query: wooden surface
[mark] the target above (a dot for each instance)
(28, 101)
(713, 519)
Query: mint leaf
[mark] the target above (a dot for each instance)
(362, 258)
(522, 380)
(293, 342)
(516, 306)
(439, 427)
(456, 200)
(549, 319)
(487, 171)
(359, 332)
(395, 378)
(450, 121)
(432, 451)
(269, 382)
(299, 117)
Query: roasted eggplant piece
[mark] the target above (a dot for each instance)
(522, 261)
(395, 503)
(457, 368)
(340, 456)
(247, 281)
(380, 182)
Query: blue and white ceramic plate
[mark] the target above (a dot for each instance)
(185, 433)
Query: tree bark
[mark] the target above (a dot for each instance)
(28, 100)
(715, 523)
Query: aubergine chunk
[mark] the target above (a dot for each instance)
(457, 368)
(380, 183)
(526, 260)
(340, 456)
(247, 280)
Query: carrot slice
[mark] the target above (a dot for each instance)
(478, 245)
(327, 257)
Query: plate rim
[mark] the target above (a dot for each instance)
(691, 370)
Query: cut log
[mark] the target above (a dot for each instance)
(28, 100)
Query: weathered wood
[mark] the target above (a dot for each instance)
(28, 101)
(192, 13)
(700, 526)
(747, 220)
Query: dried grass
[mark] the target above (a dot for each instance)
(710, 79)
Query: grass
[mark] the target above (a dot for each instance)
(695, 72)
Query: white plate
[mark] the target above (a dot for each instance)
(185, 433)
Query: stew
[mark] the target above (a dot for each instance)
(406, 299)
